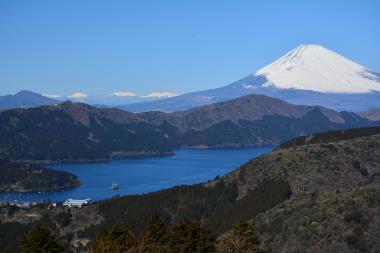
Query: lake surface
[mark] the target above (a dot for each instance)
(136, 176)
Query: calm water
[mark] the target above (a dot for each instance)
(136, 176)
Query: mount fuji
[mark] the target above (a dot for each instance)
(309, 74)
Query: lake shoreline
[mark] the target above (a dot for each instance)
(125, 155)
(116, 155)
(46, 190)
(139, 176)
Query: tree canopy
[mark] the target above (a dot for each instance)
(40, 240)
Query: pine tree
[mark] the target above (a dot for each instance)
(242, 239)
(40, 240)
(154, 238)
(115, 240)
(191, 237)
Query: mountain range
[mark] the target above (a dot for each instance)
(76, 131)
(307, 75)
(24, 99)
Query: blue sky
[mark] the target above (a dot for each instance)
(100, 47)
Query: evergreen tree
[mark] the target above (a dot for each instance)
(40, 240)
(115, 240)
(154, 239)
(191, 237)
(242, 239)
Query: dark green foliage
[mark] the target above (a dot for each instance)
(242, 239)
(266, 195)
(30, 177)
(155, 237)
(358, 167)
(192, 202)
(115, 240)
(80, 132)
(40, 240)
(11, 209)
(184, 237)
(77, 132)
(10, 232)
(353, 216)
(63, 218)
(217, 205)
(191, 237)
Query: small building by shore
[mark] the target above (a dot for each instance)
(76, 202)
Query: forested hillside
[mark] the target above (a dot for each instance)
(320, 195)
(79, 132)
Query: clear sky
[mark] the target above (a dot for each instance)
(100, 47)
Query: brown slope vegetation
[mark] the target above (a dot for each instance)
(334, 203)
(320, 196)
(335, 206)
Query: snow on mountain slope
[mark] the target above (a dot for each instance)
(307, 75)
(313, 67)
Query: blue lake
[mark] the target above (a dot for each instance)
(136, 176)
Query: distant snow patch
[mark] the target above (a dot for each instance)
(247, 86)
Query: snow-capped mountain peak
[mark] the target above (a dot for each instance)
(314, 67)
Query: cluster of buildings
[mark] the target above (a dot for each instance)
(76, 202)
(29, 204)
(20, 204)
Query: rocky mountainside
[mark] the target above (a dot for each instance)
(335, 185)
(373, 114)
(77, 132)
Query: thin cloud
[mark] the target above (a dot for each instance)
(51, 95)
(124, 94)
(160, 94)
(78, 95)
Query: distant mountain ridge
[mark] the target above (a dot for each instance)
(373, 114)
(24, 99)
(27, 99)
(307, 75)
(80, 132)
(250, 108)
